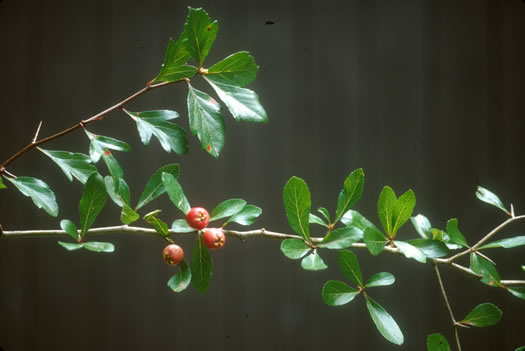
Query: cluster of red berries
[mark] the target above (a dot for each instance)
(197, 218)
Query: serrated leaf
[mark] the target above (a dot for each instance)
(341, 238)
(154, 188)
(70, 228)
(454, 234)
(483, 315)
(97, 246)
(181, 279)
(201, 266)
(73, 164)
(174, 67)
(506, 243)
(351, 193)
(380, 279)
(100, 143)
(92, 202)
(430, 248)
(157, 224)
(410, 251)
(38, 191)
(70, 246)
(422, 226)
(118, 191)
(294, 248)
(181, 226)
(127, 215)
(170, 136)
(313, 219)
(247, 216)
(238, 69)
(482, 266)
(337, 293)
(325, 213)
(375, 241)
(349, 265)
(385, 324)
(518, 292)
(242, 103)
(437, 342)
(227, 208)
(489, 197)
(199, 34)
(175, 192)
(297, 204)
(206, 120)
(313, 262)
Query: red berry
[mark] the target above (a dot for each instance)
(214, 238)
(172, 254)
(198, 218)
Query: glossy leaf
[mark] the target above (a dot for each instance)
(227, 208)
(410, 251)
(523, 268)
(127, 215)
(199, 34)
(113, 167)
(422, 226)
(247, 216)
(437, 342)
(490, 198)
(518, 292)
(297, 204)
(522, 348)
(340, 238)
(206, 120)
(375, 241)
(170, 135)
(354, 219)
(483, 315)
(380, 279)
(403, 209)
(73, 164)
(181, 226)
(386, 325)
(201, 266)
(313, 219)
(242, 103)
(325, 213)
(38, 191)
(174, 67)
(506, 243)
(180, 280)
(157, 224)
(97, 246)
(70, 228)
(385, 209)
(118, 191)
(430, 248)
(238, 69)
(313, 262)
(92, 202)
(337, 293)
(454, 234)
(175, 192)
(482, 266)
(351, 193)
(349, 265)
(154, 188)
(100, 143)
(71, 246)
(294, 248)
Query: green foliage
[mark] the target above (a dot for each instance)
(199, 34)
(375, 241)
(180, 280)
(490, 198)
(92, 202)
(341, 238)
(350, 266)
(380, 279)
(238, 69)
(294, 248)
(157, 224)
(154, 188)
(430, 248)
(73, 164)
(518, 292)
(246, 216)
(337, 293)
(506, 243)
(454, 234)
(99, 144)
(351, 193)
(175, 192)
(297, 205)
(422, 226)
(38, 191)
(94, 246)
(483, 315)
(174, 67)
(386, 325)
(227, 208)
(181, 226)
(2, 185)
(394, 212)
(437, 342)
(313, 219)
(201, 266)
(313, 262)
(487, 269)
(70, 228)
(410, 251)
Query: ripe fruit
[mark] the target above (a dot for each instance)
(172, 254)
(214, 238)
(198, 218)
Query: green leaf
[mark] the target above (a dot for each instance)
(354, 219)
(351, 193)
(242, 103)
(313, 219)
(350, 266)
(73, 164)
(70, 228)
(506, 243)
(454, 234)
(341, 238)
(227, 208)
(2, 186)
(199, 34)
(201, 266)
(522, 348)
(174, 68)
(403, 209)
(385, 209)
(313, 262)
(386, 325)
(127, 215)
(154, 188)
(206, 120)
(483, 315)
(118, 191)
(422, 226)
(38, 191)
(482, 266)
(375, 241)
(113, 166)
(518, 292)
(294, 248)
(157, 224)
(337, 293)
(410, 251)
(181, 226)
(247, 216)
(325, 213)
(297, 204)
(71, 246)
(380, 279)
(430, 248)
(100, 143)
(97, 246)
(175, 192)
(437, 342)
(92, 201)
(490, 198)
(238, 69)
(523, 268)
(181, 279)
(170, 136)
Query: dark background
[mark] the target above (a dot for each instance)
(426, 95)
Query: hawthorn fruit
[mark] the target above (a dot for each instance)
(214, 238)
(172, 254)
(198, 218)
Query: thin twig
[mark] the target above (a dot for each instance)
(36, 134)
